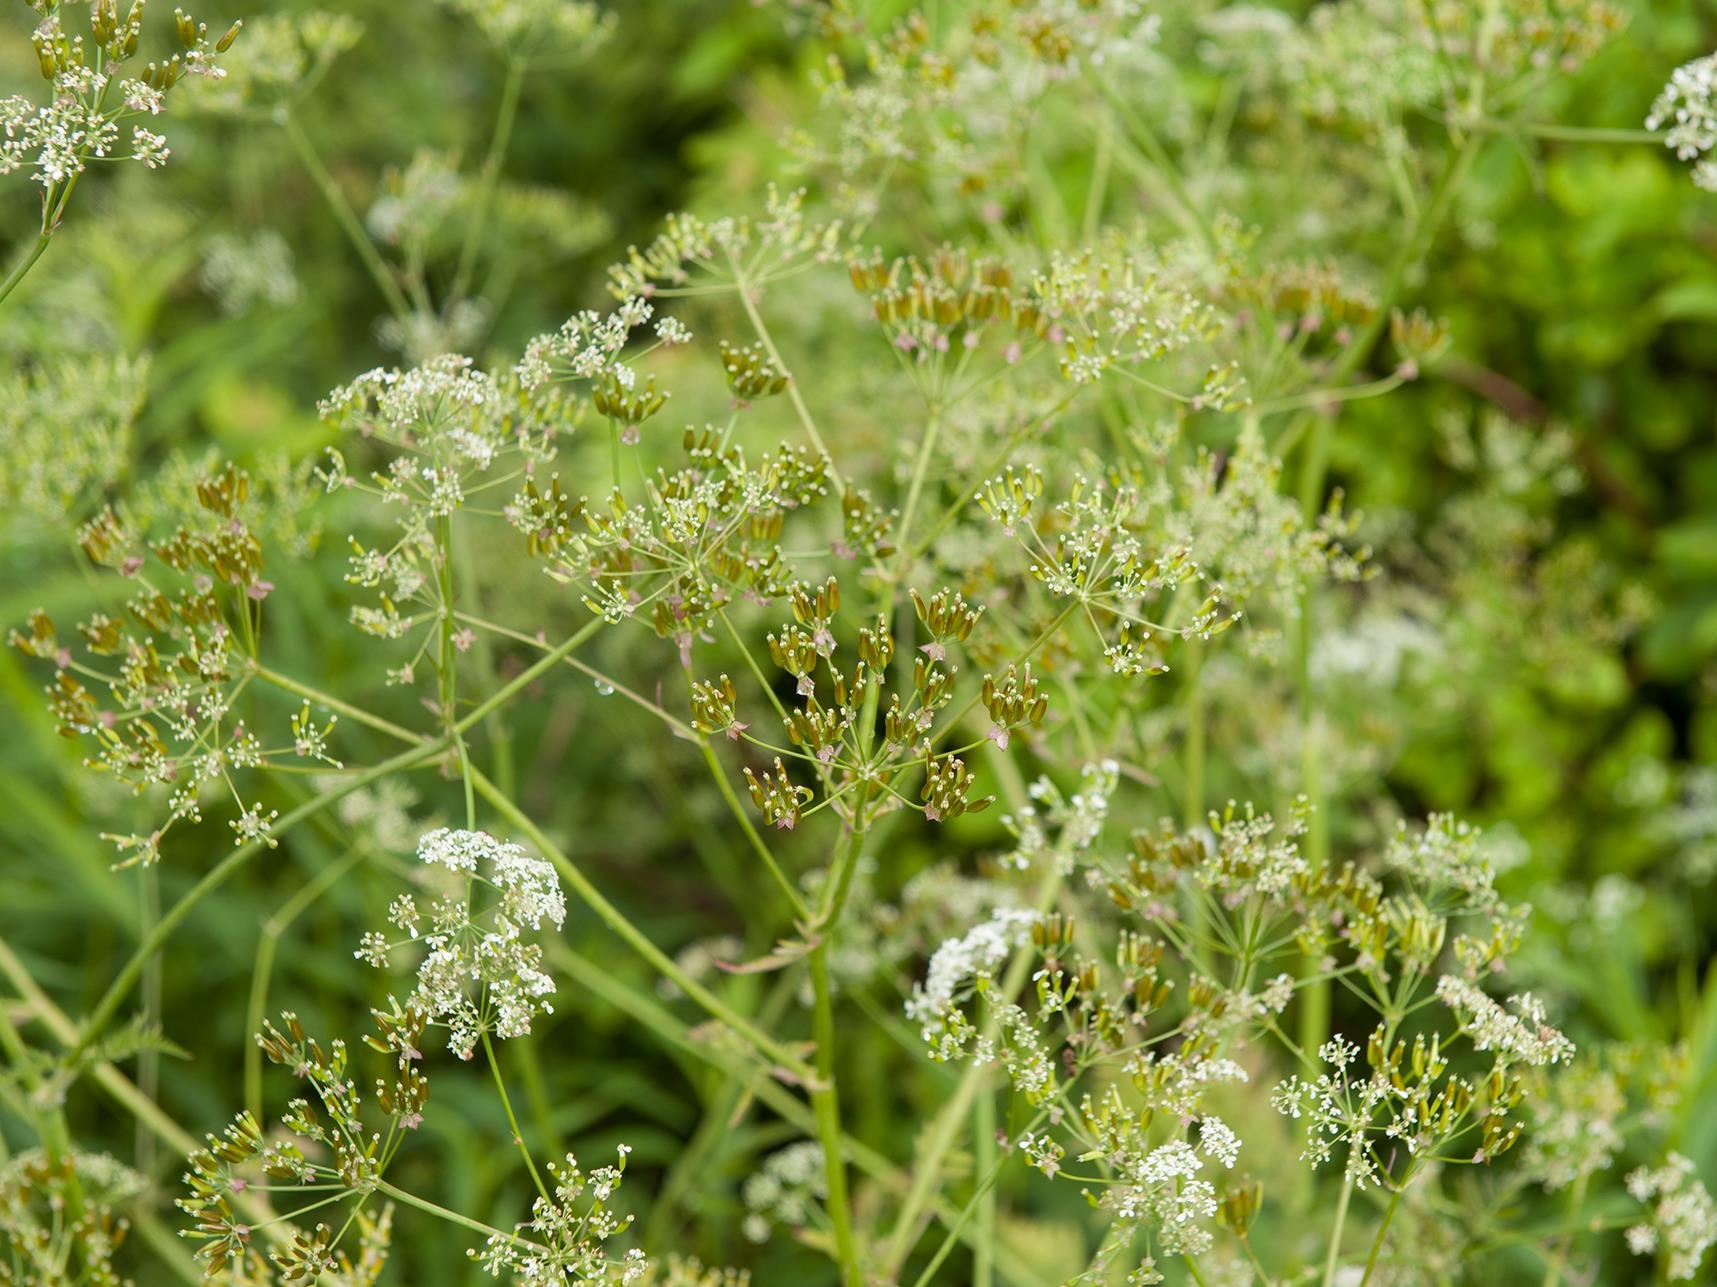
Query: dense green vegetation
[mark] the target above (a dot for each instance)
(1080, 415)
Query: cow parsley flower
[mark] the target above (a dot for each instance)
(791, 1182)
(481, 975)
(1218, 1141)
(1523, 1036)
(1445, 854)
(564, 29)
(1175, 1084)
(565, 1239)
(975, 954)
(1164, 1193)
(1683, 1221)
(1688, 108)
(587, 346)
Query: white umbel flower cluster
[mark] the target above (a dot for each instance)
(1686, 111)
(1164, 1193)
(976, 954)
(784, 1191)
(588, 345)
(1062, 829)
(1174, 1084)
(458, 850)
(481, 975)
(58, 139)
(448, 399)
(1524, 1036)
(1341, 1111)
(1683, 1216)
(1446, 854)
(566, 1236)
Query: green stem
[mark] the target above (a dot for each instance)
(1413, 249)
(263, 967)
(720, 1115)
(119, 1088)
(927, 1169)
(512, 1121)
(149, 1059)
(24, 265)
(764, 338)
(1334, 1254)
(536, 1092)
(1257, 1265)
(1559, 1261)
(498, 140)
(825, 1092)
(347, 218)
(1160, 160)
(447, 673)
(601, 981)
(1098, 190)
(679, 726)
(987, 472)
(168, 1248)
(752, 663)
(1315, 998)
(443, 1213)
(1382, 1231)
(691, 735)
(614, 455)
(1565, 133)
(981, 1249)
(737, 808)
(925, 449)
(50, 1120)
(357, 714)
(530, 674)
(218, 875)
(635, 938)
(1193, 803)
(989, 1160)
(499, 733)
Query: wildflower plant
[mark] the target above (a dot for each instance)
(947, 531)
(96, 105)
(478, 974)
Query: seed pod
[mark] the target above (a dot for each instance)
(794, 650)
(1053, 932)
(817, 730)
(946, 615)
(947, 783)
(818, 607)
(49, 55)
(1240, 1207)
(627, 404)
(876, 645)
(751, 372)
(103, 21)
(866, 524)
(713, 707)
(777, 796)
(1009, 499)
(1012, 702)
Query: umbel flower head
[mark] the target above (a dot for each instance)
(1686, 112)
(481, 975)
